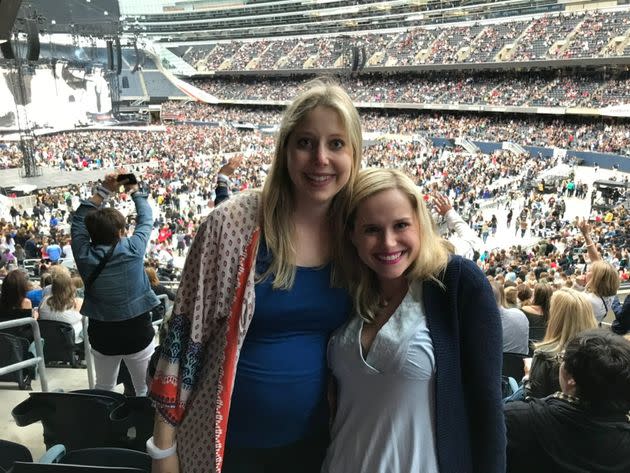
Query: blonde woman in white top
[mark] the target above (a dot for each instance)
(602, 279)
(62, 305)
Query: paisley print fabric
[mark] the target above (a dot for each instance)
(194, 378)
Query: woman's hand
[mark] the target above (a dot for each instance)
(110, 182)
(229, 167)
(584, 226)
(442, 204)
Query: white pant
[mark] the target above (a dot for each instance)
(107, 366)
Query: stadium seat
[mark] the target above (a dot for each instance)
(114, 420)
(11, 452)
(513, 366)
(59, 346)
(14, 349)
(111, 457)
(21, 467)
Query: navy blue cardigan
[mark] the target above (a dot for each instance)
(465, 328)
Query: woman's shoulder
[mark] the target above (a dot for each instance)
(241, 210)
(243, 201)
(465, 269)
(531, 310)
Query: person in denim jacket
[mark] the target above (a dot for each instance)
(119, 300)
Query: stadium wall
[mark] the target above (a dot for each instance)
(604, 160)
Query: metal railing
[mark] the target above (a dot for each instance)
(167, 308)
(89, 360)
(39, 350)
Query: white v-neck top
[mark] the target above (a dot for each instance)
(385, 420)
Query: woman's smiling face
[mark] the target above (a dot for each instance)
(386, 234)
(319, 156)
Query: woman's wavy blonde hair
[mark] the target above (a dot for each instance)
(570, 312)
(604, 279)
(63, 292)
(434, 250)
(277, 194)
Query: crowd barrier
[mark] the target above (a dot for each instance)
(39, 350)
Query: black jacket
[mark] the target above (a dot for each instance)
(553, 435)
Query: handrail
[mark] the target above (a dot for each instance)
(87, 348)
(162, 298)
(39, 349)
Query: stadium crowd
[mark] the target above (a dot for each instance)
(574, 134)
(565, 36)
(554, 280)
(180, 177)
(180, 181)
(540, 89)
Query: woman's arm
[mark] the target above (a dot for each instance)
(164, 437)
(591, 249)
(481, 350)
(222, 190)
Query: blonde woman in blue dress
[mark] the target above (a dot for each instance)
(418, 369)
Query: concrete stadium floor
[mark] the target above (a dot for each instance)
(68, 379)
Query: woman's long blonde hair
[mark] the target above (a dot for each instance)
(277, 202)
(434, 250)
(63, 292)
(604, 279)
(570, 313)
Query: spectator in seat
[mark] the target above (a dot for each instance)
(159, 289)
(62, 305)
(524, 294)
(465, 240)
(602, 279)
(13, 293)
(583, 427)
(514, 324)
(53, 250)
(511, 298)
(570, 314)
(36, 294)
(621, 324)
(537, 311)
(14, 304)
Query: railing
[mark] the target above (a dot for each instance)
(89, 360)
(163, 300)
(39, 349)
(31, 263)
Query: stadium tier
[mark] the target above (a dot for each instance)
(582, 35)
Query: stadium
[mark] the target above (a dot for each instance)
(510, 118)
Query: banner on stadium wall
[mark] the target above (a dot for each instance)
(616, 111)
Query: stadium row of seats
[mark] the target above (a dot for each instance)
(565, 36)
(540, 89)
(258, 20)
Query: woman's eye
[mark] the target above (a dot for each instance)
(304, 142)
(370, 230)
(337, 144)
(401, 225)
